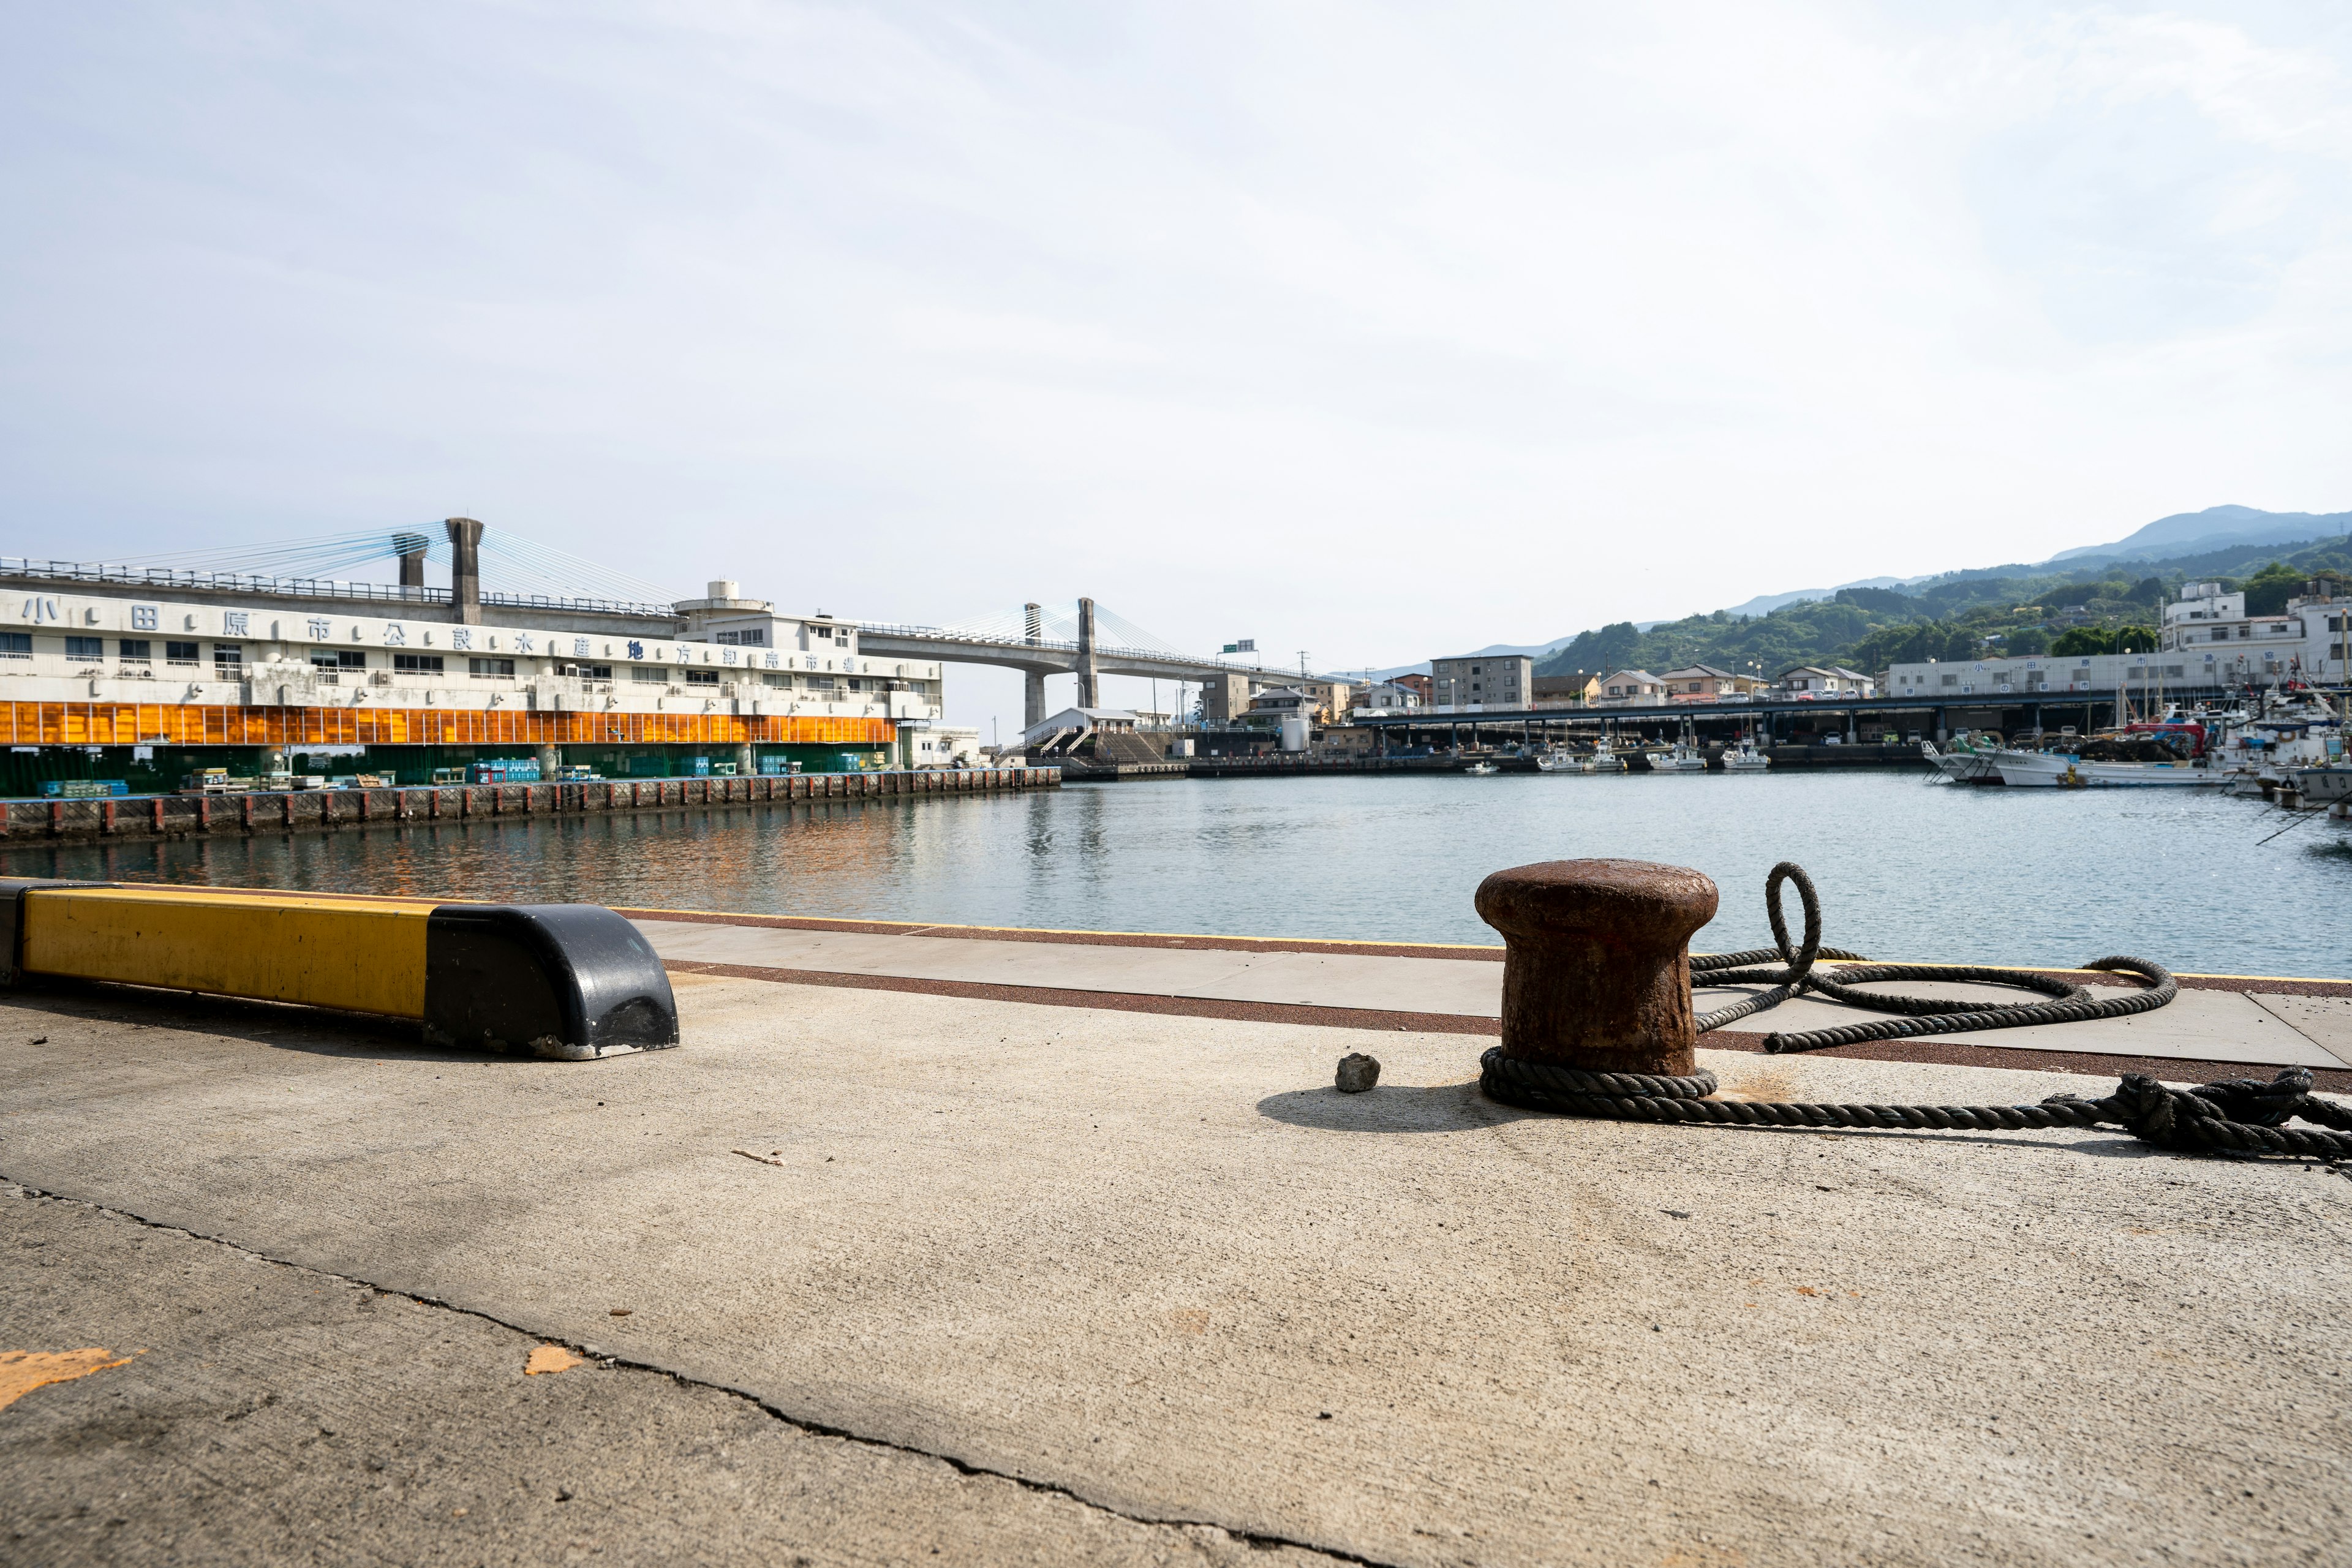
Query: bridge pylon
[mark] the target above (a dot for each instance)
(1089, 674)
(1033, 682)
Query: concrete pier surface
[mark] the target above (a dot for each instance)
(866, 1274)
(2221, 1024)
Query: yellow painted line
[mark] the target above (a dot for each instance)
(362, 955)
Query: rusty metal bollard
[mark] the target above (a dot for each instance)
(1596, 972)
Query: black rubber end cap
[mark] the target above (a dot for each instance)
(564, 981)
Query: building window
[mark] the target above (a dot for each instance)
(649, 674)
(15, 645)
(338, 659)
(490, 669)
(586, 671)
(85, 647)
(702, 677)
(179, 653)
(754, 638)
(417, 663)
(227, 658)
(136, 651)
(774, 679)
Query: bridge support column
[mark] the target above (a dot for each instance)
(1033, 699)
(1089, 681)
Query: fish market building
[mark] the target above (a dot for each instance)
(115, 673)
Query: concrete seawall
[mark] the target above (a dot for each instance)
(294, 811)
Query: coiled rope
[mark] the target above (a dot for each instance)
(2245, 1115)
(1923, 1015)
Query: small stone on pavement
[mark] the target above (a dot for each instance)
(1357, 1072)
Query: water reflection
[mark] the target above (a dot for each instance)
(1909, 869)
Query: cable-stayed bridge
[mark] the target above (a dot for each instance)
(1041, 641)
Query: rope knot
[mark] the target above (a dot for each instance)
(2251, 1099)
(2156, 1114)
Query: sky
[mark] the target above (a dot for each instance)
(1368, 330)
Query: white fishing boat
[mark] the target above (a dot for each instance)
(1482, 770)
(2065, 770)
(1605, 759)
(1679, 759)
(1969, 761)
(1744, 758)
(1562, 761)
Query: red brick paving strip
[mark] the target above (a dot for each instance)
(1946, 1051)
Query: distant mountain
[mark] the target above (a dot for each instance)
(1765, 604)
(2219, 539)
(2216, 527)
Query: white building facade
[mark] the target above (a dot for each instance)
(2305, 639)
(93, 662)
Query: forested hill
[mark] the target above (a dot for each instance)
(1956, 618)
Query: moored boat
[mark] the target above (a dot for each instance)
(2324, 785)
(2068, 770)
(1967, 762)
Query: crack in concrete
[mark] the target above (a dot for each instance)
(1258, 1539)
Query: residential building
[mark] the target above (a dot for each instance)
(1824, 680)
(1225, 696)
(1388, 697)
(1486, 680)
(1417, 683)
(1330, 698)
(1627, 689)
(1553, 689)
(1284, 702)
(1704, 683)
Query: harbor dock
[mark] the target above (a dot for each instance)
(1019, 1245)
(289, 811)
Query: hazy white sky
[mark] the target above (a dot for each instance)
(1376, 332)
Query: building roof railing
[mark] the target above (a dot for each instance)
(162, 579)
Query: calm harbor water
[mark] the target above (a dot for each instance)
(1907, 869)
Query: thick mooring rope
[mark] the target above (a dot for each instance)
(2244, 1115)
(2241, 1113)
(1924, 1016)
